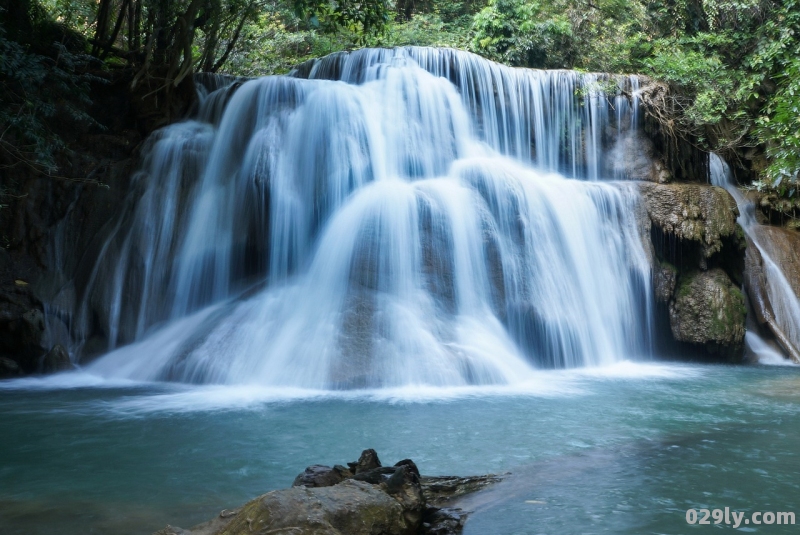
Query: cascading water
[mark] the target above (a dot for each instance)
(381, 218)
(785, 305)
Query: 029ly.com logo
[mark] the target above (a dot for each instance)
(737, 518)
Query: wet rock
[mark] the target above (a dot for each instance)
(349, 508)
(404, 486)
(94, 346)
(411, 464)
(368, 461)
(664, 280)
(783, 248)
(320, 476)
(777, 210)
(443, 521)
(693, 212)
(440, 490)
(709, 310)
(56, 360)
(379, 500)
(172, 530)
(634, 157)
(9, 368)
(22, 327)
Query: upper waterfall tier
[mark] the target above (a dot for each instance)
(391, 219)
(560, 120)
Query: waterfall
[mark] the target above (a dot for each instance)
(379, 218)
(784, 303)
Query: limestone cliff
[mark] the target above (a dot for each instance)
(697, 251)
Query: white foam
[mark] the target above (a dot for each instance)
(67, 381)
(182, 398)
(765, 353)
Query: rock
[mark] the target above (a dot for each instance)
(9, 368)
(443, 521)
(783, 248)
(400, 481)
(319, 476)
(22, 327)
(93, 347)
(411, 464)
(349, 508)
(444, 489)
(634, 157)
(777, 210)
(171, 530)
(692, 212)
(404, 486)
(664, 280)
(368, 461)
(709, 310)
(56, 360)
(392, 502)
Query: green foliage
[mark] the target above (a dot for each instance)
(363, 18)
(426, 29)
(729, 68)
(276, 41)
(36, 89)
(524, 33)
(780, 128)
(77, 14)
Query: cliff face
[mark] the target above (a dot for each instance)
(698, 251)
(48, 224)
(772, 280)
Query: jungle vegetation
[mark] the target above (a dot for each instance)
(725, 73)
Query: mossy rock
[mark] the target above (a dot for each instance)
(349, 508)
(692, 212)
(709, 310)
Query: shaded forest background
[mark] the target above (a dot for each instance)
(726, 74)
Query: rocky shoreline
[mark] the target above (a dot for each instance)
(362, 498)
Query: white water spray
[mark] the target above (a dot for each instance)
(392, 220)
(784, 303)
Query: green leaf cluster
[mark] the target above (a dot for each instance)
(39, 85)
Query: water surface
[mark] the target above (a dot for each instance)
(622, 449)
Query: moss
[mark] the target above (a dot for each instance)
(730, 315)
(739, 296)
(741, 240)
(685, 284)
(667, 265)
(708, 309)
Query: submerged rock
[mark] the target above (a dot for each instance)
(366, 499)
(441, 490)
(709, 310)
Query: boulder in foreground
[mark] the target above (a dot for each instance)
(364, 498)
